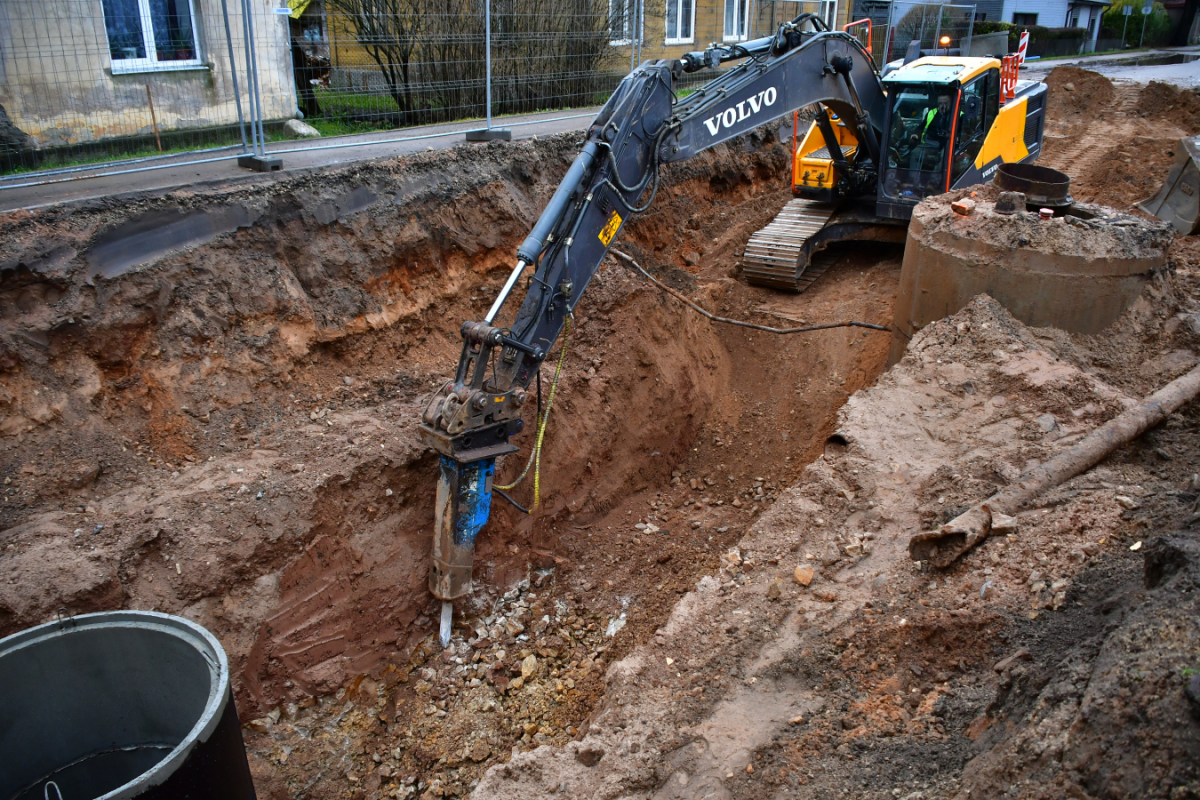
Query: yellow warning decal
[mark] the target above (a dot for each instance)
(610, 228)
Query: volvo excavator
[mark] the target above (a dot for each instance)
(877, 146)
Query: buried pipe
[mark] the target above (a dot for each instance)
(944, 545)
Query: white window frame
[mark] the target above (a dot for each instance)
(125, 66)
(630, 7)
(678, 19)
(726, 36)
(826, 9)
(829, 12)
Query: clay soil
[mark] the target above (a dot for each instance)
(226, 431)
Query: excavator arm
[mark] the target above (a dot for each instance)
(616, 175)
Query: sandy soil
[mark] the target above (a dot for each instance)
(225, 431)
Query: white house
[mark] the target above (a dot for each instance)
(1053, 14)
(1046, 13)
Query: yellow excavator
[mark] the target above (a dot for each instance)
(879, 144)
(948, 122)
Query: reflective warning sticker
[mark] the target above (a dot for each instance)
(610, 228)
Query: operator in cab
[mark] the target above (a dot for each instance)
(929, 143)
(922, 121)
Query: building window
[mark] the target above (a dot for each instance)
(621, 14)
(681, 21)
(736, 18)
(147, 35)
(1024, 19)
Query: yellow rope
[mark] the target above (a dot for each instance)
(535, 458)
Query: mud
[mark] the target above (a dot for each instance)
(209, 403)
(1076, 92)
(214, 417)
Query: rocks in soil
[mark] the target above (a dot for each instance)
(1003, 523)
(590, 755)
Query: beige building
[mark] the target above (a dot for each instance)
(79, 71)
(671, 28)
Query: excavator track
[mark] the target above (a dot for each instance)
(776, 256)
(790, 253)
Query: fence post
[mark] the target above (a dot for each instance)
(259, 161)
(249, 83)
(629, 14)
(489, 133)
(640, 5)
(237, 97)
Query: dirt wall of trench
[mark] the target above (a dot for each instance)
(209, 397)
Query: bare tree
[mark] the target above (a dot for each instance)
(390, 32)
(545, 53)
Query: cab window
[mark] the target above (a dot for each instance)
(975, 115)
(921, 120)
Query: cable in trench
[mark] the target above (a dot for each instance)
(740, 323)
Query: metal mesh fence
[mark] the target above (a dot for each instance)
(935, 28)
(394, 62)
(768, 16)
(85, 82)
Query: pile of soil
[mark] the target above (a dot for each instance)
(1174, 104)
(1117, 142)
(819, 661)
(1075, 92)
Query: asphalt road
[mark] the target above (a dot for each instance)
(170, 173)
(1118, 66)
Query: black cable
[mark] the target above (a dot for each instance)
(666, 128)
(739, 323)
(515, 504)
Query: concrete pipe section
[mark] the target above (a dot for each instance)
(1076, 267)
(118, 705)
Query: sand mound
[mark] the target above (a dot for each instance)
(1078, 91)
(1163, 101)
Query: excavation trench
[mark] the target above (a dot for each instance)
(209, 408)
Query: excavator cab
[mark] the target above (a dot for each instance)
(944, 123)
(950, 122)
